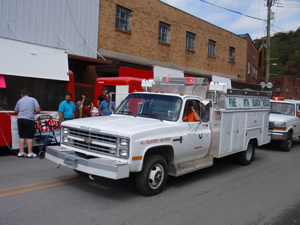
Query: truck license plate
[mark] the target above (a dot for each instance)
(70, 161)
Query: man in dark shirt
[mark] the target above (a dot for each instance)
(102, 96)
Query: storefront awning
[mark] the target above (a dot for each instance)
(88, 60)
(18, 58)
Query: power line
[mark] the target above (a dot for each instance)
(232, 10)
(239, 13)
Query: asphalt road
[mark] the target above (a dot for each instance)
(34, 191)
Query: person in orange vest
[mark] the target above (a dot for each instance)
(192, 114)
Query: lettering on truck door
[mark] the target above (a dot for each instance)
(196, 134)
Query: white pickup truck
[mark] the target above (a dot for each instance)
(284, 122)
(177, 127)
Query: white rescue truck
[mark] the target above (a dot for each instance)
(158, 132)
(284, 122)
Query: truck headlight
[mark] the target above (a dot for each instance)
(280, 125)
(124, 152)
(124, 142)
(65, 130)
(65, 140)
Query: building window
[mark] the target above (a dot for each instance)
(190, 39)
(211, 47)
(249, 67)
(297, 90)
(123, 17)
(278, 89)
(288, 89)
(164, 32)
(231, 54)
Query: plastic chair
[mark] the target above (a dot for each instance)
(45, 139)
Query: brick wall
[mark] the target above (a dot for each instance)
(141, 43)
(280, 85)
(253, 76)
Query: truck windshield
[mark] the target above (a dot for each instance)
(151, 105)
(283, 108)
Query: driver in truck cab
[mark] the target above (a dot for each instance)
(192, 114)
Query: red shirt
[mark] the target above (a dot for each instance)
(86, 112)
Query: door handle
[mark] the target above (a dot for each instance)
(179, 139)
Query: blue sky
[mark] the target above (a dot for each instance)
(286, 17)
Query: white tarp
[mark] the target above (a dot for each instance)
(23, 59)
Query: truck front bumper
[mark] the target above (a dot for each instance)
(103, 167)
(278, 136)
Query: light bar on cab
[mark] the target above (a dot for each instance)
(182, 80)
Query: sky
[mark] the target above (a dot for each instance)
(286, 15)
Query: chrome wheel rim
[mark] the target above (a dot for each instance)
(249, 152)
(156, 176)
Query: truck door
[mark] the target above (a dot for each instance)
(195, 128)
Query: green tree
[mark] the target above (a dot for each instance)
(285, 47)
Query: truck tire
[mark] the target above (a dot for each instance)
(245, 157)
(286, 145)
(153, 176)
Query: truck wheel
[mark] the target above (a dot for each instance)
(286, 145)
(245, 157)
(153, 177)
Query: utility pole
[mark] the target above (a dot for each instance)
(262, 60)
(268, 41)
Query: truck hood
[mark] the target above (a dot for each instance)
(279, 117)
(117, 124)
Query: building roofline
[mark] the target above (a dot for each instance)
(199, 18)
(244, 36)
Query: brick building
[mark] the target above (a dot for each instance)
(253, 75)
(286, 86)
(150, 32)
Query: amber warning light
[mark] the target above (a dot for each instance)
(278, 98)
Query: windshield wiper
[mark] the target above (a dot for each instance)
(152, 115)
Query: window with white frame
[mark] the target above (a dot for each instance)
(278, 89)
(190, 40)
(211, 47)
(231, 54)
(297, 90)
(253, 68)
(287, 89)
(123, 17)
(164, 32)
(249, 67)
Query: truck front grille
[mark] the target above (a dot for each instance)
(93, 137)
(93, 147)
(271, 125)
